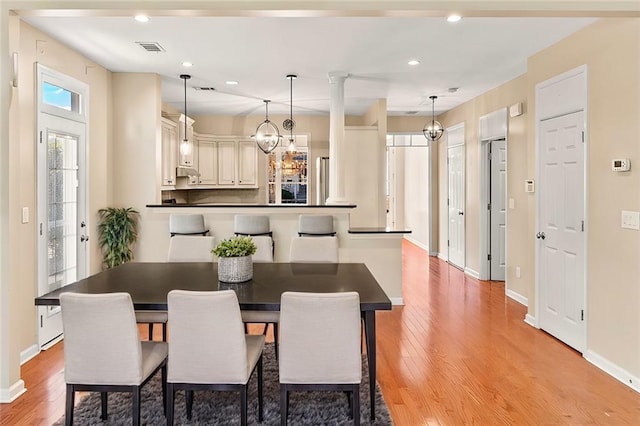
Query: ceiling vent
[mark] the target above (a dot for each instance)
(150, 46)
(411, 112)
(206, 89)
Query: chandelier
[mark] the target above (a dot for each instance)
(289, 124)
(267, 134)
(185, 145)
(433, 131)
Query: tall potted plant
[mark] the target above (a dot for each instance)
(117, 232)
(235, 264)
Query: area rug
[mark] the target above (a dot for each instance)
(223, 408)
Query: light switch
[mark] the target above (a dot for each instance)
(630, 220)
(25, 215)
(512, 203)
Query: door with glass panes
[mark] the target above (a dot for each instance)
(287, 174)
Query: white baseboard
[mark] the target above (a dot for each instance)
(443, 256)
(531, 320)
(397, 301)
(517, 297)
(612, 369)
(10, 394)
(417, 243)
(52, 342)
(29, 353)
(471, 272)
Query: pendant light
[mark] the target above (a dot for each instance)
(289, 124)
(185, 145)
(433, 131)
(267, 134)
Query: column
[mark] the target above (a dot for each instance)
(336, 139)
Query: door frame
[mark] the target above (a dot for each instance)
(42, 74)
(550, 107)
(499, 124)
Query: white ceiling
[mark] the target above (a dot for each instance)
(475, 54)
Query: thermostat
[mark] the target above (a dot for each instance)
(621, 165)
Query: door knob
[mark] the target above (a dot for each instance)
(84, 238)
(83, 224)
(540, 236)
(460, 212)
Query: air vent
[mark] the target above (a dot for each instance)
(150, 46)
(210, 89)
(411, 112)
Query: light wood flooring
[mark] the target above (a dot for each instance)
(457, 353)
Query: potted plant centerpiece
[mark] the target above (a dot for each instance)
(117, 232)
(234, 259)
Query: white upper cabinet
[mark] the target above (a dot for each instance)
(169, 152)
(207, 160)
(227, 164)
(247, 163)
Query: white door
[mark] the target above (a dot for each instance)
(455, 160)
(62, 226)
(561, 233)
(498, 255)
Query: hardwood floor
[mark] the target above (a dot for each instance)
(458, 352)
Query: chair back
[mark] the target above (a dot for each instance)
(187, 224)
(315, 224)
(207, 341)
(264, 252)
(320, 338)
(191, 248)
(316, 249)
(249, 224)
(101, 341)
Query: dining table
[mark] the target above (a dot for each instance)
(148, 283)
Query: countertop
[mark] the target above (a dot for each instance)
(276, 206)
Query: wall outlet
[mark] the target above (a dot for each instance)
(518, 274)
(630, 220)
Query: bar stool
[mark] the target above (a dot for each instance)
(187, 224)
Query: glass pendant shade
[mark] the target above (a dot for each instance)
(292, 145)
(185, 145)
(433, 130)
(267, 134)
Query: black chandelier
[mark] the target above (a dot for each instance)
(433, 131)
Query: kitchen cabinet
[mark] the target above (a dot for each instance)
(227, 164)
(207, 160)
(247, 163)
(169, 147)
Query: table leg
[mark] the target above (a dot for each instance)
(370, 332)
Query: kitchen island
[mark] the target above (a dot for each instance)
(378, 248)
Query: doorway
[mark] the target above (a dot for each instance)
(61, 191)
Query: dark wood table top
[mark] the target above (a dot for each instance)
(149, 283)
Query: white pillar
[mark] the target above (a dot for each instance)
(336, 139)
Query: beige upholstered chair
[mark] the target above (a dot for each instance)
(103, 352)
(182, 248)
(314, 249)
(259, 228)
(315, 225)
(187, 224)
(320, 346)
(209, 349)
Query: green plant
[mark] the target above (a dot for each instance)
(117, 232)
(235, 247)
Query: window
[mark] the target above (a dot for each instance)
(287, 174)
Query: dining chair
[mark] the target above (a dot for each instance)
(316, 249)
(103, 352)
(312, 225)
(182, 248)
(320, 346)
(259, 228)
(187, 224)
(209, 349)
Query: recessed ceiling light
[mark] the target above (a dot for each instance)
(414, 62)
(187, 64)
(453, 18)
(141, 18)
(231, 82)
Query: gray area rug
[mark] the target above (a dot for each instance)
(223, 408)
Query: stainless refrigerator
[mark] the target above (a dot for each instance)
(322, 180)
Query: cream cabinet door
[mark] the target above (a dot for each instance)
(207, 161)
(169, 152)
(247, 163)
(226, 162)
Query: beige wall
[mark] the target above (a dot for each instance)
(34, 46)
(611, 50)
